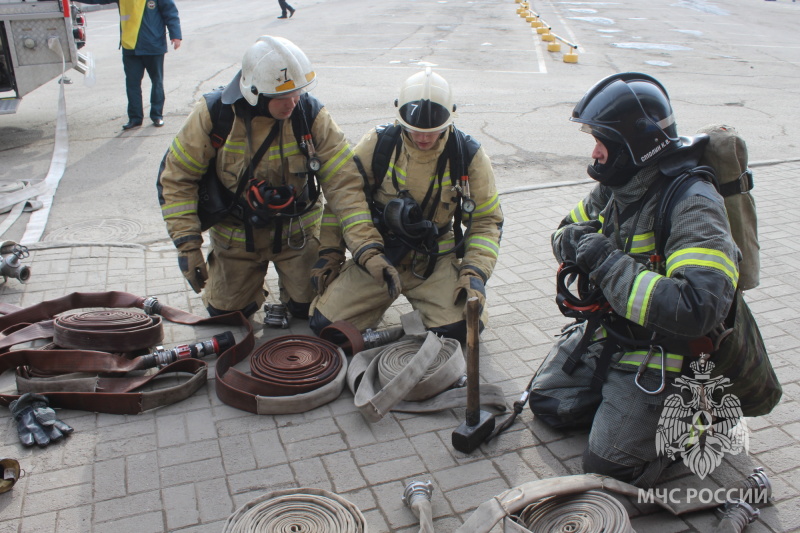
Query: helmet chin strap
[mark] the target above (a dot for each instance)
(619, 172)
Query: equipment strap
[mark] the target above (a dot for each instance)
(111, 394)
(413, 375)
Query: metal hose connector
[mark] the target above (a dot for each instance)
(276, 315)
(736, 515)
(374, 338)
(417, 496)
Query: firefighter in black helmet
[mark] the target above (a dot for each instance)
(613, 370)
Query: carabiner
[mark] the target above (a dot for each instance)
(289, 234)
(643, 367)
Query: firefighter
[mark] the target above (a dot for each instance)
(432, 196)
(270, 173)
(614, 375)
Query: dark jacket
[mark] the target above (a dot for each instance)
(144, 24)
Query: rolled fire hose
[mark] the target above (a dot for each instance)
(592, 511)
(107, 330)
(302, 510)
(288, 374)
(413, 375)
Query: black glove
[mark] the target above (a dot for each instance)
(36, 422)
(326, 269)
(571, 235)
(382, 271)
(470, 284)
(593, 249)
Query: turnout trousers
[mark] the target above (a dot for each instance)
(355, 297)
(623, 419)
(236, 276)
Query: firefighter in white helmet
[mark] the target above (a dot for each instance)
(272, 147)
(432, 196)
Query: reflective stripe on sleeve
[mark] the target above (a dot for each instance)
(185, 160)
(234, 147)
(703, 257)
(362, 217)
(644, 243)
(488, 207)
(484, 243)
(578, 214)
(643, 285)
(333, 164)
(181, 208)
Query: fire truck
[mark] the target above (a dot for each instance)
(38, 41)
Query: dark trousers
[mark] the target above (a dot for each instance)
(135, 67)
(284, 7)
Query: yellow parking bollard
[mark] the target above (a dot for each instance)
(547, 37)
(542, 29)
(553, 47)
(572, 55)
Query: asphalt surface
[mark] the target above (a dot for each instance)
(187, 467)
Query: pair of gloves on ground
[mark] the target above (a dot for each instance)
(36, 420)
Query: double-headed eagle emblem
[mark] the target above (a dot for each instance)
(702, 430)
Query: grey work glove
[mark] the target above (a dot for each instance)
(571, 235)
(470, 284)
(381, 270)
(326, 269)
(193, 266)
(593, 250)
(36, 421)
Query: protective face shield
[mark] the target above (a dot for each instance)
(273, 66)
(425, 103)
(631, 108)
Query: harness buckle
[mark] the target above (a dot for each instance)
(643, 367)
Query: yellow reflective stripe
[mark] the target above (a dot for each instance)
(484, 243)
(401, 173)
(487, 207)
(333, 165)
(446, 245)
(643, 285)
(602, 220)
(705, 257)
(314, 216)
(360, 217)
(330, 220)
(285, 150)
(234, 147)
(178, 209)
(228, 232)
(578, 214)
(187, 161)
(636, 358)
(644, 243)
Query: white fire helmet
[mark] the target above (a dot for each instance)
(274, 66)
(425, 103)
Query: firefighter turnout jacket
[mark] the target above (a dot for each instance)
(283, 165)
(415, 171)
(691, 291)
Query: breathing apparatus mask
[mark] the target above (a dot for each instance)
(403, 217)
(619, 167)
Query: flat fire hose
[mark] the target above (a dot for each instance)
(302, 510)
(103, 393)
(288, 374)
(413, 375)
(508, 506)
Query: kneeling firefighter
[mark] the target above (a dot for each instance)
(248, 165)
(432, 195)
(641, 316)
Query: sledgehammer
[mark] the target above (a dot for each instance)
(478, 424)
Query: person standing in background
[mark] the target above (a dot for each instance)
(284, 8)
(143, 28)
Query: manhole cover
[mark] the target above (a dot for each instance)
(108, 230)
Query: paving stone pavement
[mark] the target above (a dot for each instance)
(188, 466)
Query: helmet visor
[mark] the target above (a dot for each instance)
(424, 115)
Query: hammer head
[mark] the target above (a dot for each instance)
(467, 438)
